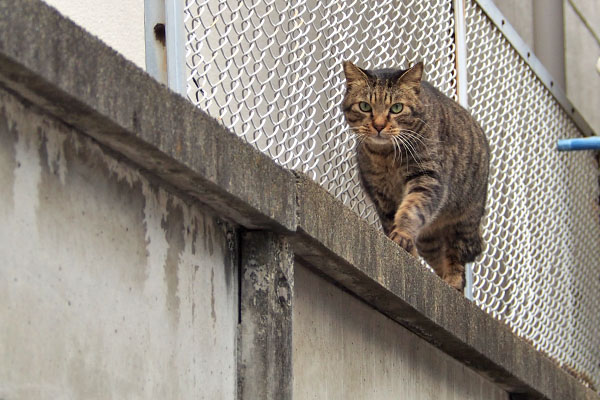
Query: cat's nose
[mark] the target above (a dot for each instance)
(379, 127)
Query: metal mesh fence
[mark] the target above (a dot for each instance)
(539, 271)
(270, 70)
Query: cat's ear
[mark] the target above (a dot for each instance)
(411, 78)
(354, 74)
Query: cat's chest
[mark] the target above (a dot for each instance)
(383, 177)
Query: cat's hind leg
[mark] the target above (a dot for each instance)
(454, 274)
(437, 252)
(461, 248)
(433, 250)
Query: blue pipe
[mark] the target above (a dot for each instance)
(590, 143)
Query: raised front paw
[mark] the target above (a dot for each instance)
(404, 240)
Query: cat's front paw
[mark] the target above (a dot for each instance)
(404, 240)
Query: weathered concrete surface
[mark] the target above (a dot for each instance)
(118, 23)
(343, 247)
(582, 51)
(111, 287)
(74, 76)
(344, 350)
(266, 302)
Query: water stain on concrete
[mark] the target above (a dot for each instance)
(91, 210)
(209, 238)
(207, 234)
(213, 314)
(173, 226)
(77, 172)
(8, 163)
(231, 258)
(194, 225)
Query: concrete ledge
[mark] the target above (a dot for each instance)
(57, 66)
(346, 249)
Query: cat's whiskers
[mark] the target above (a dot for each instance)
(410, 147)
(397, 149)
(414, 135)
(394, 146)
(414, 154)
(417, 157)
(399, 143)
(359, 133)
(403, 141)
(413, 141)
(355, 130)
(361, 139)
(424, 123)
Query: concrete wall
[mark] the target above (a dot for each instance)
(111, 287)
(118, 23)
(342, 349)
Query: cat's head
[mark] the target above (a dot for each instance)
(382, 104)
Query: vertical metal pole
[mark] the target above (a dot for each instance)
(156, 52)
(460, 42)
(175, 32)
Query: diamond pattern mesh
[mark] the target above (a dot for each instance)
(539, 271)
(270, 70)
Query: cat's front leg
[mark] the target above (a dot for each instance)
(423, 196)
(404, 239)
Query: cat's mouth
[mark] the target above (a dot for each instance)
(380, 139)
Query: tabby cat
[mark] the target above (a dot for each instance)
(423, 161)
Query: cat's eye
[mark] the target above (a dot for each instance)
(364, 107)
(396, 108)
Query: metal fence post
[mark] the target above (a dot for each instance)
(460, 43)
(175, 35)
(154, 29)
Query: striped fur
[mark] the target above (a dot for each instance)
(425, 168)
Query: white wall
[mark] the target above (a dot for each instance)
(119, 23)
